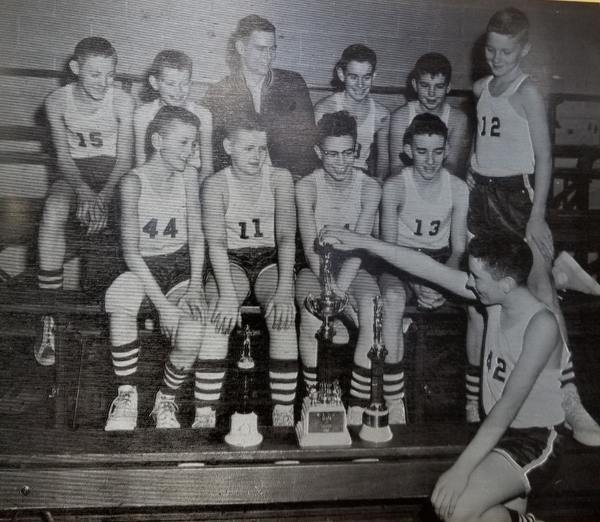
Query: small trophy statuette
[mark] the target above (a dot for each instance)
(375, 427)
(244, 422)
(323, 421)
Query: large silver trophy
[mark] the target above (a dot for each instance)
(375, 426)
(244, 423)
(323, 421)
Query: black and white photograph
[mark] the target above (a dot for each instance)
(268, 260)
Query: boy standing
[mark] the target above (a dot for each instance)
(163, 246)
(338, 194)
(517, 445)
(425, 208)
(512, 155)
(250, 226)
(92, 131)
(431, 81)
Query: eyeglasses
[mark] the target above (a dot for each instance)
(334, 154)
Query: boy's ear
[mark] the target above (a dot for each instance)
(227, 146)
(448, 87)
(156, 140)
(340, 74)
(74, 66)
(318, 152)
(413, 82)
(508, 284)
(239, 47)
(153, 82)
(407, 150)
(525, 50)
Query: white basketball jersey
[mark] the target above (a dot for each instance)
(250, 225)
(91, 135)
(365, 132)
(329, 211)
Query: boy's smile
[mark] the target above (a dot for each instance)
(337, 155)
(248, 151)
(258, 52)
(357, 79)
(503, 53)
(173, 85)
(96, 75)
(487, 289)
(431, 91)
(428, 153)
(177, 145)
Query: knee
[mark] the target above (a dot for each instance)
(125, 295)
(189, 336)
(394, 299)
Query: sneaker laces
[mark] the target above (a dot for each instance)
(122, 404)
(165, 409)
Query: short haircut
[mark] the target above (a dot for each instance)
(503, 255)
(166, 116)
(247, 122)
(425, 124)
(250, 24)
(433, 64)
(336, 124)
(170, 59)
(510, 22)
(353, 53)
(94, 46)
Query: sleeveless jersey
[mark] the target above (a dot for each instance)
(250, 226)
(150, 110)
(365, 132)
(93, 135)
(412, 112)
(423, 223)
(503, 146)
(543, 405)
(329, 212)
(162, 217)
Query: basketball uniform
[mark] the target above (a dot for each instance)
(365, 132)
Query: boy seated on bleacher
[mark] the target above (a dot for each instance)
(163, 246)
(250, 224)
(92, 131)
(338, 194)
(424, 207)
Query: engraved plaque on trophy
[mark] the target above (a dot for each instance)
(323, 420)
(244, 422)
(375, 426)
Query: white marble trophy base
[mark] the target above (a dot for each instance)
(375, 426)
(322, 425)
(244, 430)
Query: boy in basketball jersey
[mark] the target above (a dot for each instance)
(338, 194)
(92, 131)
(424, 207)
(250, 224)
(512, 155)
(163, 246)
(431, 81)
(516, 448)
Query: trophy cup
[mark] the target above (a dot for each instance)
(323, 421)
(244, 422)
(375, 426)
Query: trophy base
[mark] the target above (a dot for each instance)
(375, 427)
(322, 425)
(244, 431)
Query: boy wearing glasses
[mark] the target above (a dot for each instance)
(343, 195)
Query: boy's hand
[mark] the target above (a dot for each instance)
(86, 199)
(342, 238)
(105, 197)
(470, 180)
(282, 309)
(537, 230)
(428, 298)
(450, 486)
(194, 303)
(169, 317)
(225, 314)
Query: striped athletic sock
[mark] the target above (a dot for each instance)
(310, 377)
(173, 378)
(283, 378)
(50, 279)
(125, 359)
(393, 381)
(473, 382)
(210, 375)
(360, 386)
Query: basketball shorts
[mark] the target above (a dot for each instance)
(534, 453)
(500, 204)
